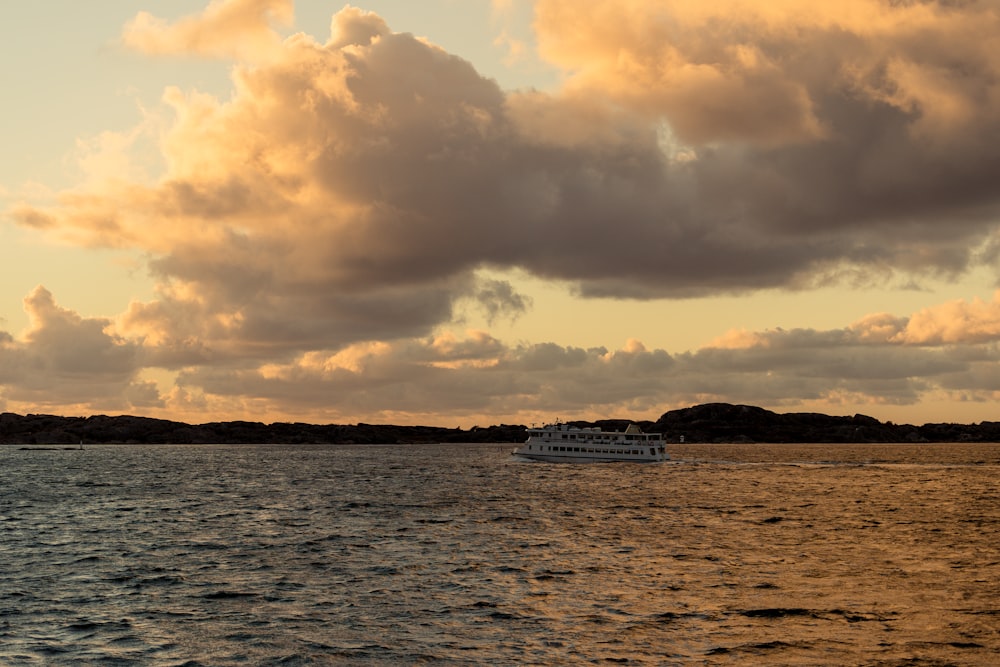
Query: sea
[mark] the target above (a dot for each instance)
(451, 554)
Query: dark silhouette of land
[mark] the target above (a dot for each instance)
(712, 422)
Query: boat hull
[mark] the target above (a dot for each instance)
(576, 458)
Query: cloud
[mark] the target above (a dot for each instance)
(761, 74)
(480, 377)
(509, 16)
(955, 322)
(313, 210)
(499, 298)
(69, 362)
(66, 361)
(350, 196)
(852, 134)
(693, 152)
(226, 28)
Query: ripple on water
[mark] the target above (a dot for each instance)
(186, 555)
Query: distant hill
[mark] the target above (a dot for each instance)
(723, 422)
(54, 430)
(712, 422)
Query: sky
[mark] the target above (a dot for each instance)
(470, 212)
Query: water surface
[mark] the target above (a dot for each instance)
(462, 555)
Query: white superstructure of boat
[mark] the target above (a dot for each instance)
(563, 443)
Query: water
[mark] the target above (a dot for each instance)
(460, 555)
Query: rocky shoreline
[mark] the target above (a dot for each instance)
(711, 423)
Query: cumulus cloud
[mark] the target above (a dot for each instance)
(226, 28)
(955, 322)
(764, 73)
(350, 194)
(65, 360)
(479, 377)
(846, 134)
(688, 155)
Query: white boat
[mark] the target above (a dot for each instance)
(562, 443)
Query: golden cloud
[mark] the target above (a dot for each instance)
(762, 73)
(954, 322)
(226, 28)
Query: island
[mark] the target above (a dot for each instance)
(707, 423)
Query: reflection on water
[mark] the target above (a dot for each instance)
(729, 554)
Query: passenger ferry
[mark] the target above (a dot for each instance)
(562, 443)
